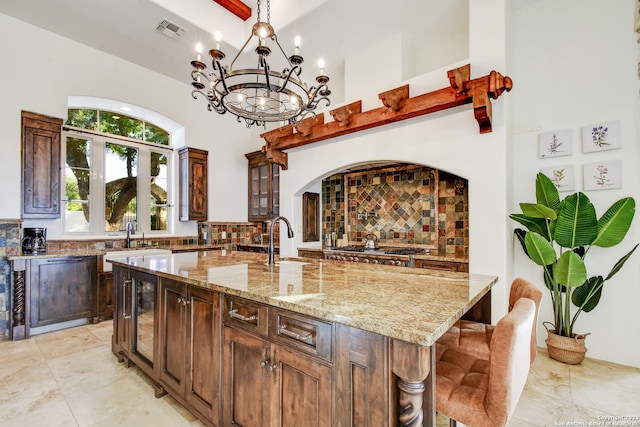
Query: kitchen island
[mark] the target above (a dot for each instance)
(300, 342)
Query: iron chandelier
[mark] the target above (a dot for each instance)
(258, 95)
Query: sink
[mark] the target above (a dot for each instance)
(130, 253)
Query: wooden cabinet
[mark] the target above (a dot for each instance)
(193, 184)
(136, 321)
(121, 337)
(269, 385)
(442, 265)
(233, 361)
(60, 290)
(263, 186)
(310, 253)
(105, 294)
(190, 346)
(255, 248)
(246, 379)
(40, 166)
(363, 383)
(277, 369)
(310, 217)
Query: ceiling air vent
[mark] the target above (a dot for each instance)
(170, 29)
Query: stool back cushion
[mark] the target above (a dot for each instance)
(510, 360)
(521, 288)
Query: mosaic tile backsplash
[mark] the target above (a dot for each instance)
(408, 205)
(9, 245)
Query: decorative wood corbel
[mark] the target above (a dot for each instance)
(342, 115)
(397, 106)
(304, 126)
(271, 150)
(395, 98)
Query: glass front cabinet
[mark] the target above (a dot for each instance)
(264, 187)
(135, 320)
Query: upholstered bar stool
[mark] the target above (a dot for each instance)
(484, 392)
(474, 337)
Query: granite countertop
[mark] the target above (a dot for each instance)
(96, 252)
(413, 305)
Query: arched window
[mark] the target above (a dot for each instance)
(117, 170)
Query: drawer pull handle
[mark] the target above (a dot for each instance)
(234, 315)
(287, 333)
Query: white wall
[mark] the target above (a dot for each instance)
(575, 64)
(449, 140)
(41, 70)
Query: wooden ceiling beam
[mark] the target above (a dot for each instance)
(397, 106)
(238, 8)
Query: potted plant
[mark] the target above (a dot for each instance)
(559, 235)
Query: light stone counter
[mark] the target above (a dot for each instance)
(413, 305)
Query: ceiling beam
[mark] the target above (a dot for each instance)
(238, 8)
(397, 106)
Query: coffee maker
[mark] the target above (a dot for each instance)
(34, 241)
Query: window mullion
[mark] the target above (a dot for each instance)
(97, 187)
(144, 189)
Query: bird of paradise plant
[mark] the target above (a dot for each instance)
(559, 235)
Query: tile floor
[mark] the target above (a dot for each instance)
(70, 378)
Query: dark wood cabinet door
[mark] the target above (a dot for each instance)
(41, 166)
(144, 300)
(302, 392)
(263, 187)
(61, 289)
(105, 296)
(310, 217)
(173, 334)
(193, 184)
(245, 380)
(203, 353)
(361, 374)
(121, 338)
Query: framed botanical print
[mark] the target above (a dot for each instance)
(555, 144)
(601, 137)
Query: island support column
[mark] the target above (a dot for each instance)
(414, 366)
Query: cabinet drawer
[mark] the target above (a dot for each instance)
(245, 314)
(301, 332)
(442, 265)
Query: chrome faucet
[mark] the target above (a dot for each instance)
(270, 248)
(130, 231)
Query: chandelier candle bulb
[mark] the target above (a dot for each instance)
(297, 42)
(218, 37)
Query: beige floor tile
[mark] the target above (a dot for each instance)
(103, 331)
(50, 411)
(97, 364)
(66, 341)
(70, 378)
(26, 390)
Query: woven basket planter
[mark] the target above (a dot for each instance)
(569, 350)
